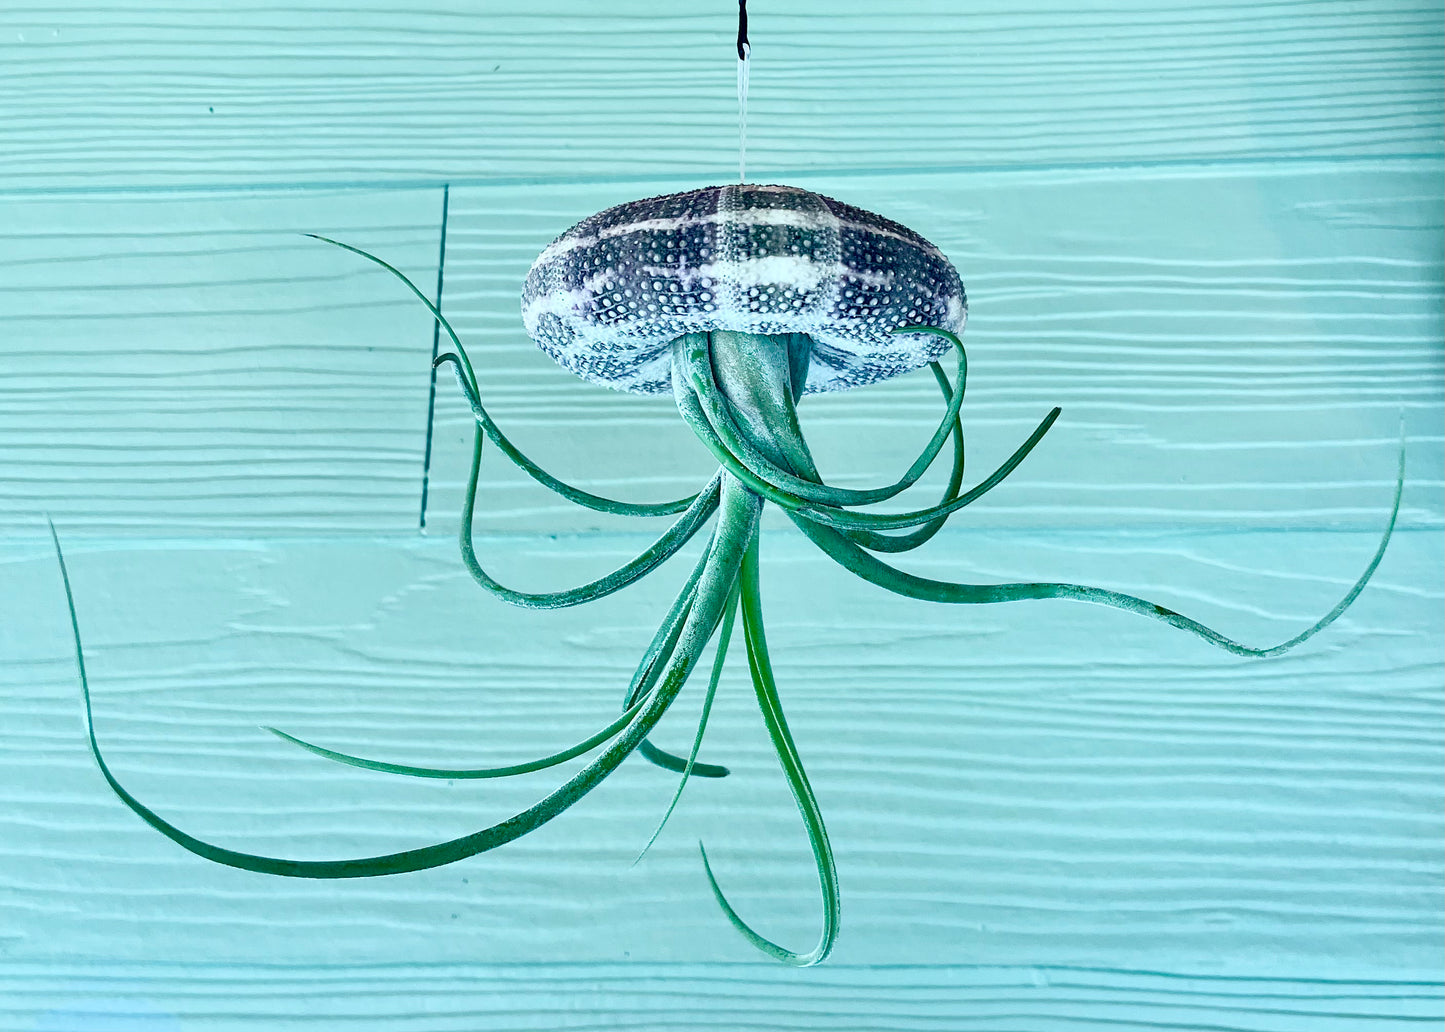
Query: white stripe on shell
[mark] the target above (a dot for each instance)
(748, 217)
(797, 272)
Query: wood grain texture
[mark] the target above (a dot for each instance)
(841, 998)
(1040, 784)
(196, 362)
(202, 94)
(1209, 229)
(1231, 348)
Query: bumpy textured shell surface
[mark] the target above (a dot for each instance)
(607, 297)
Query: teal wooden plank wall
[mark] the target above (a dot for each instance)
(1211, 231)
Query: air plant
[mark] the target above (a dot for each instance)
(739, 300)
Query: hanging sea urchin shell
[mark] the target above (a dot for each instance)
(607, 297)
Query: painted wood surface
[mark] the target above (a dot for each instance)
(1210, 231)
(630, 995)
(1230, 348)
(244, 93)
(1037, 786)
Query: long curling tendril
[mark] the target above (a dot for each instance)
(760, 460)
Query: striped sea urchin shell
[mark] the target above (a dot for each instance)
(607, 297)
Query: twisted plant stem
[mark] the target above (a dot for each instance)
(468, 380)
(703, 505)
(876, 542)
(705, 406)
(658, 686)
(723, 637)
(741, 442)
(851, 557)
(732, 390)
(761, 668)
(738, 393)
(759, 395)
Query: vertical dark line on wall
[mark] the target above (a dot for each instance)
(436, 330)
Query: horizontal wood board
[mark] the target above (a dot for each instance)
(195, 362)
(1037, 784)
(250, 93)
(628, 995)
(1230, 348)
(1210, 231)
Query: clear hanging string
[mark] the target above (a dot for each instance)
(744, 51)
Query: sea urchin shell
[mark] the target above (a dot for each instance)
(607, 297)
